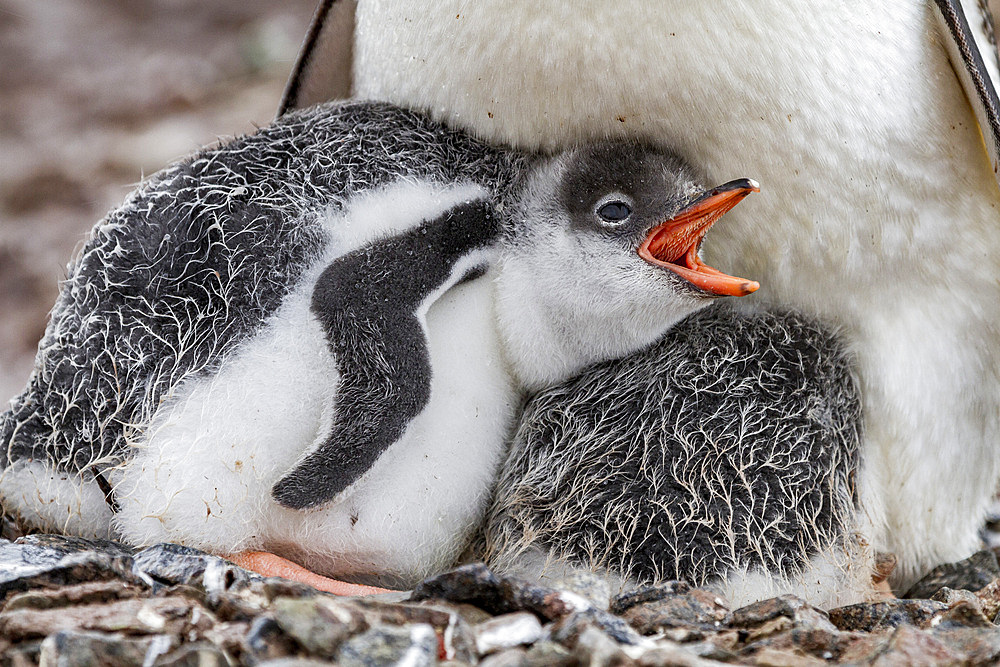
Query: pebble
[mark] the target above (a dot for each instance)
(971, 574)
(795, 611)
(476, 584)
(886, 615)
(318, 625)
(675, 607)
(507, 631)
(72, 647)
(384, 646)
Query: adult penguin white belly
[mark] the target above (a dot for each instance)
(881, 216)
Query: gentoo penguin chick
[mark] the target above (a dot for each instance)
(862, 123)
(229, 350)
(724, 455)
(191, 358)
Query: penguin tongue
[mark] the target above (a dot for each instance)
(674, 244)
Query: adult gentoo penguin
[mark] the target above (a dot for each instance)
(251, 335)
(724, 455)
(881, 214)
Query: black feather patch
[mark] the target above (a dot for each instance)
(368, 302)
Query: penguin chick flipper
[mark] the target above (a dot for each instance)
(270, 565)
(372, 304)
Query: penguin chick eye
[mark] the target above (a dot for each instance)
(614, 211)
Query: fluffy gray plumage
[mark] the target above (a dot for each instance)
(197, 259)
(730, 445)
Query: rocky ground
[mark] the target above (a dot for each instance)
(72, 602)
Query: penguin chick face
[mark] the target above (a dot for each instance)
(602, 257)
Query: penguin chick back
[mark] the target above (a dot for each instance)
(730, 445)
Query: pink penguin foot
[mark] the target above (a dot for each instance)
(270, 565)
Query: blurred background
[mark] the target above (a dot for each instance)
(96, 93)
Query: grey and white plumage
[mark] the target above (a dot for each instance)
(184, 365)
(861, 121)
(281, 324)
(724, 455)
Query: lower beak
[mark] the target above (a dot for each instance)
(673, 245)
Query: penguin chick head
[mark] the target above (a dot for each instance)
(602, 257)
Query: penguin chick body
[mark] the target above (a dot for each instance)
(184, 368)
(217, 424)
(881, 212)
(724, 455)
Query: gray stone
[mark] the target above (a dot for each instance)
(962, 614)
(512, 657)
(595, 648)
(971, 574)
(318, 624)
(196, 655)
(588, 585)
(879, 616)
(175, 564)
(669, 655)
(476, 584)
(772, 657)
(693, 609)
(414, 645)
(989, 599)
(626, 601)
(25, 654)
(43, 561)
(91, 592)
(171, 615)
(797, 611)
(568, 629)
(507, 631)
(548, 654)
(265, 640)
(906, 645)
(457, 638)
(85, 649)
(979, 646)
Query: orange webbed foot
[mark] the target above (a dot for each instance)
(270, 565)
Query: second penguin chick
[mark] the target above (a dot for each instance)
(724, 455)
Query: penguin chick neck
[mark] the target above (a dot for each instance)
(602, 259)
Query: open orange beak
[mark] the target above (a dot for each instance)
(674, 244)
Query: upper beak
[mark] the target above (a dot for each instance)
(674, 244)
